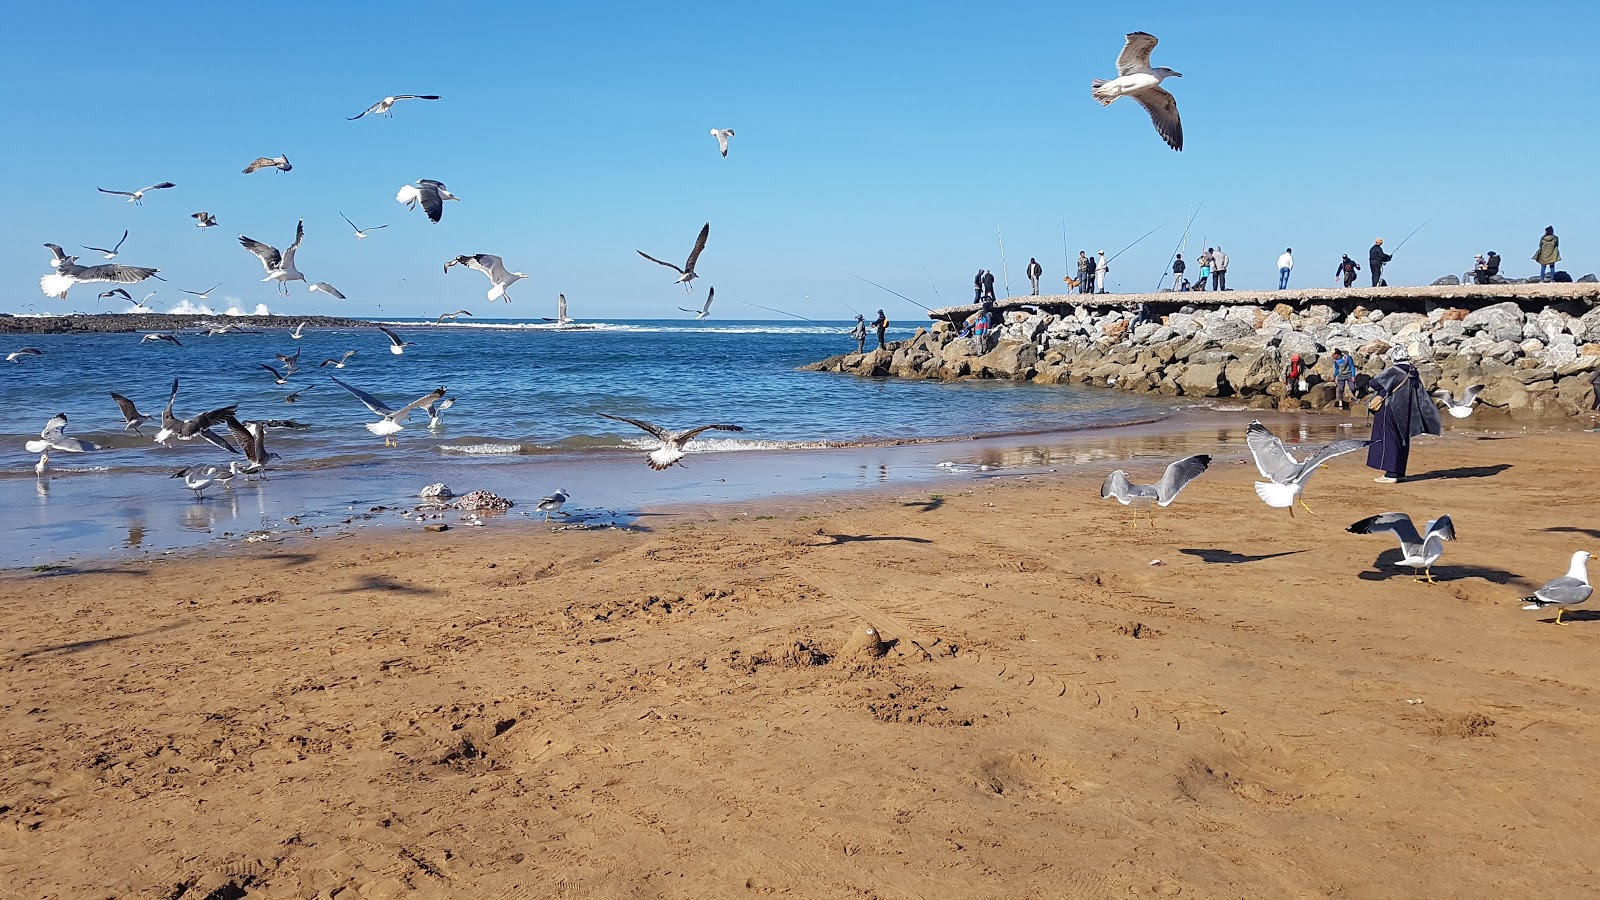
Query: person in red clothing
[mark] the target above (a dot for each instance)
(1292, 374)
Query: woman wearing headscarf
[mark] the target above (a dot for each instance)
(1548, 254)
(1403, 411)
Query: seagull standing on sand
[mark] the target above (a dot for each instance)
(279, 266)
(703, 311)
(1419, 551)
(197, 480)
(15, 355)
(722, 135)
(112, 253)
(1286, 475)
(685, 274)
(1464, 408)
(361, 233)
(137, 197)
(493, 266)
(672, 442)
(1568, 590)
(389, 424)
(1136, 79)
(431, 194)
(68, 273)
(383, 107)
(553, 503)
(1162, 493)
(281, 163)
(131, 413)
(397, 345)
(203, 219)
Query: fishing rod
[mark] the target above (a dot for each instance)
(1181, 240)
(1409, 237)
(930, 281)
(1003, 273)
(781, 312)
(896, 293)
(1135, 243)
(846, 306)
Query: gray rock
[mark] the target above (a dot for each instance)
(1563, 349)
(1550, 323)
(1531, 347)
(1395, 322)
(1502, 321)
(1227, 330)
(436, 491)
(1448, 279)
(1205, 380)
(1588, 279)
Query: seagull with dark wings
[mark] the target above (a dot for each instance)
(1136, 79)
(703, 311)
(431, 194)
(672, 442)
(390, 420)
(137, 197)
(281, 163)
(383, 107)
(112, 253)
(131, 413)
(722, 135)
(198, 427)
(279, 266)
(493, 266)
(685, 274)
(361, 233)
(203, 219)
(68, 273)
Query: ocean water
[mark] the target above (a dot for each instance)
(528, 398)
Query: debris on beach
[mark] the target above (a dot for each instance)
(436, 526)
(436, 491)
(481, 500)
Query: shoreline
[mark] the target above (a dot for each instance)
(694, 706)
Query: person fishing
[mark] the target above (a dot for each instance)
(881, 325)
(860, 333)
(1375, 260)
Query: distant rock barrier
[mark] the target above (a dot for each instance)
(123, 323)
(1534, 357)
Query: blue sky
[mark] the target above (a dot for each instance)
(880, 140)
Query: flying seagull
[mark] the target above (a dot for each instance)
(252, 436)
(196, 479)
(1464, 408)
(553, 503)
(137, 197)
(1568, 590)
(435, 411)
(112, 253)
(279, 266)
(203, 219)
(15, 355)
(1286, 475)
(169, 338)
(452, 316)
(131, 413)
(494, 267)
(281, 163)
(328, 289)
(431, 194)
(1419, 551)
(278, 378)
(722, 135)
(703, 311)
(685, 274)
(337, 363)
(54, 437)
(118, 292)
(561, 311)
(205, 294)
(390, 420)
(296, 332)
(672, 442)
(1136, 79)
(291, 362)
(200, 426)
(295, 397)
(68, 273)
(383, 107)
(361, 233)
(397, 345)
(1162, 493)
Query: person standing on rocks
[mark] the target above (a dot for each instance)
(1101, 269)
(1285, 266)
(1293, 374)
(1375, 260)
(1548, 254)
(977, 287)
(1344, 377)
(1035, 272)
(1594, 383)
(1219, 269)
(1403, 411)
(988, 286)
(1347, 269)
(1178, 268)
(881, 324)
(860, 333)
(1085, 273)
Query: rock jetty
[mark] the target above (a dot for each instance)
(122, 323)
(1534, 347)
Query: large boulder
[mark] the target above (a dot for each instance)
(1252, 373)
(1502, 321)
(1204, 380)
(1221, 332)
(1010, 359)
(1562, 349)
(1394, 323)
(1448, 279)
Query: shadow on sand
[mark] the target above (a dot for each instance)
(1463, 472)
(91, 643)
(386, 584)
(834, 539)
(926, 506)
(1230, 558)
(1387, 566)
(1568, 529)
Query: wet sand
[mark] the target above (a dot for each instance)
(1275, 710)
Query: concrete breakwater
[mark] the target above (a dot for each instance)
(1533, 347)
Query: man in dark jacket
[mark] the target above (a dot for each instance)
(1085, 273)
(881, 325)
(1035, 272)
(1347, 270)
(1490, 268)
(977, 286)
(1178, 268)
(988, 285)
(1375, 260)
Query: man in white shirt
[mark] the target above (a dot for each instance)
(1101, 269)
(1285, 266)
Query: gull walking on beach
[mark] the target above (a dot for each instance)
(112, 253)
(1462, 408)
(1162, 493)
(390, 420)
(705, 310)
(279, 266)
(15, 355)
(1568, 590)
(361, 233)
(68, 273)
(137, 197)
(1286, 475)
(685, 274)
(383, 107)
(203, 219)
(281, 163)
(553, 503)
(131, 413)
(397, 345)
(1419, 551)
(722, 135)
(197, 479)
(1136, 79)
(431, 194)
(671, 450)
(495, 268)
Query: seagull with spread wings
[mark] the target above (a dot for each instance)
(54, 437)
(1162, 493)
(205, 294)
(431, 194)
(131, 413)
(722, 135)
(200, 426)
(1418, 551)
(389, 422)
(703, 311)
(112, 253)
(361, 233)
(383, 107)
(500, 279)
(15, 355)
(68, 273)
(279, 266)
(328, 289)
(452, 316)
(1136, 79)
(685, 274)
(671, 450)
(397, 344)
(1462, 408)
(168, 338)
(337, 363)
(252, 436)
(137, 197)
(1286, 475)
(281, 163)
(203, 219)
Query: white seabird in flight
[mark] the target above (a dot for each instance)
(169, 338)
(337, 363)
(361, 233)
(117, 292)
(1162, 493)
(281, 163)
(131, 413)
(200, 426)
(389, 424)
(1287, 476)
(1419, 551)
(722, 135)
(54, 437)
(112, 253)
(205, 294)
(1568, 590)
(328, 289)
(493, 266)
(279, 266)
(383, 107)
(1464, 408)
(1136, 79)
(685, 274)
(15, 355)
(451, 316)
(68, 273)
(431, 194)
(703, 311)
(397, 344)
(672, 442)
(137, 197)
(295, 334)
(203, 219)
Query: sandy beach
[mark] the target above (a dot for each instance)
(1274, 710)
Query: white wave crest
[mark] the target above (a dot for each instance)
(481, 449)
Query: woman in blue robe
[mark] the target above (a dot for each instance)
(1407, 411)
